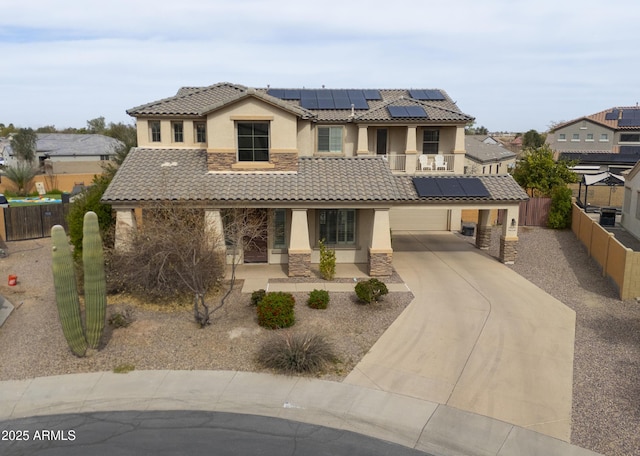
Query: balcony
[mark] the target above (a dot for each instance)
(421, 163)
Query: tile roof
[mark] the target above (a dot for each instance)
(600, 118)
(501, 187)
(197, 101)
(181, 175)
(483, 152)
(71, 144)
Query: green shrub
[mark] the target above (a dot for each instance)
(318, 299)
(257, 296)
(275, 310)
(560, 210)
(327, 261)
(371, 290)
(296, 353)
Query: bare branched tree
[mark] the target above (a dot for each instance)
(176, 252)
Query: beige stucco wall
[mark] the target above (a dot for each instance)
(63, 182)
(221, 129)
(166, 133)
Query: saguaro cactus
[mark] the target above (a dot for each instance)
(94, 285)
(95, 295)
(64, 280)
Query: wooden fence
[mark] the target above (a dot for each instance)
(31, 222)
(534, 212)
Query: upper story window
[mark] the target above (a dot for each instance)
(253, 141)
(630, 137)
(589, 137)
(330, 139)
(178, 132)
(430, 141)
(154, 131)
(104, 157)
(201, 132)
(604, 137)
(562, 137)
(575, 137)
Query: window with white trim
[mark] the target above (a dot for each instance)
(589, 137)
(253, 141)
(575, 137)
(337, 226)
(279, 228)
(604, 137)
(562, 137)
(330, 139)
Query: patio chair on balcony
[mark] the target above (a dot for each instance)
(425, 163)
(440, 162)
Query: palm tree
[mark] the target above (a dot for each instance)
(22, 175)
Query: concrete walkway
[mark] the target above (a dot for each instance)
(477, 337)
(415, 423)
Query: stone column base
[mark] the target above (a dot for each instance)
(508, 250)
(380, 264)
(483, 237)
(299, 264)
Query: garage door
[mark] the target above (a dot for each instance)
(418, 219)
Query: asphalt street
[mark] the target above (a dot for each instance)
(182, 433)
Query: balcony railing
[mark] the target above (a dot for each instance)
(424, 163)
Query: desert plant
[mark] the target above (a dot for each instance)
(318, 299)
(371, 290)
(120, 319)
(66, 289)
(124, 368)
(257, 296)
(296, 353)
(275, 310)
(327, 261)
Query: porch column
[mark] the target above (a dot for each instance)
(459, 152)
(483, 229)
(215, 230)
(299, 245)
(363, 140)
(125, 226)
(411, 151)
(509, 237)
(380, 251)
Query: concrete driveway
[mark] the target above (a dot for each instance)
(477, 337)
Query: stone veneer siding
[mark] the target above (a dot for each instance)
(380, 264)
(508, 250)
(220, 161)
(223, 161)
(483, 237)
(299, 264)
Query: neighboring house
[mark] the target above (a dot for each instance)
(606, 141)
(346, 166)
(64, 153)
(630, 219)
(485, 155)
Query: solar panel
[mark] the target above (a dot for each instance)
(324, 94)
(309, 102)
(450, 187)
(473, 186)
(434, 95)
(291, 94)
(426, 186)
(326, 103)
(370, 94)
(420, 94)
(397, 111)
(629, 122)
(416, 111)
(278, 93)
(613, 115)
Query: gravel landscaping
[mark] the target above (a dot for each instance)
(166, 337)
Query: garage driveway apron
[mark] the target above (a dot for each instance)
(477, 337)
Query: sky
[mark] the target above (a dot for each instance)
(513, 65)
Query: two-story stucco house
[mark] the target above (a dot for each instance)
(606, 141)
(347, 166)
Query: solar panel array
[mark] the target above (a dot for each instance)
(613, 115)
(419, 94)
(407, 111)
(328, 98)
(450, 187)
(630, 118)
